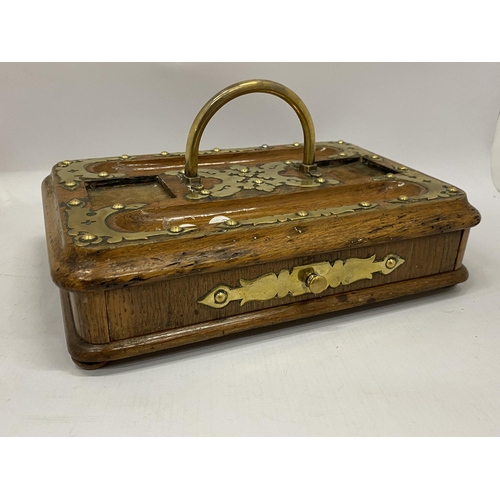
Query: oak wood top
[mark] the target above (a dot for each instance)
(358, 199)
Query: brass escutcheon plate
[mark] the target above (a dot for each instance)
(294, 282)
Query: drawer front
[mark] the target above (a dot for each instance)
(150, 308)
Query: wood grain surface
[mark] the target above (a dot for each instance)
(135, 263)
(84, 352)
(134, 311)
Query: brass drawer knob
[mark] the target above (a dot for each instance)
(316, 283)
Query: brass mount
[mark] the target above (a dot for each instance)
(308, 166)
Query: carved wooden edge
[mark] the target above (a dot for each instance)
(75, 269)
(89, 356)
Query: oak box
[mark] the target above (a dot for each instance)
(161, 250)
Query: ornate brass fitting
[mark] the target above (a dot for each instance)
(315, 278)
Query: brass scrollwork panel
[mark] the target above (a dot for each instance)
(89, 227)
(296, 282)
(266, 177)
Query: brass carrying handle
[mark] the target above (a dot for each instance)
(237, 90)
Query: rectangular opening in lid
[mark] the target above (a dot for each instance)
(145, 189)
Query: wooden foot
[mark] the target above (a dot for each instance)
(89, 366)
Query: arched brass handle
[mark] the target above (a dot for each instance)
(230, 93)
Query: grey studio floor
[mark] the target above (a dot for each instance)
(420, 366)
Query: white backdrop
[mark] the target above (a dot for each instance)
(421, 366)
(424, 114)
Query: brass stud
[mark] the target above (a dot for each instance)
(258, 181)
(391, 263)
(124, 157)
(164, 153)
(365, 204)
(288, 162)
(403, 168)
(453, 190)
(220, 296)
(265, 146)
(320, 180)
(216, 150)
(88, 237)
(296, 144)
(341, 154)
(74, 202)
(403, 197)
(340, 142)
(231, 222)
(244, 170)
(118, 206)
(70, 184)
(176, 229)
(66, 162)
(375, 157)
(103, 174)
(389, 176)
(302, 213)
(205, 191)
